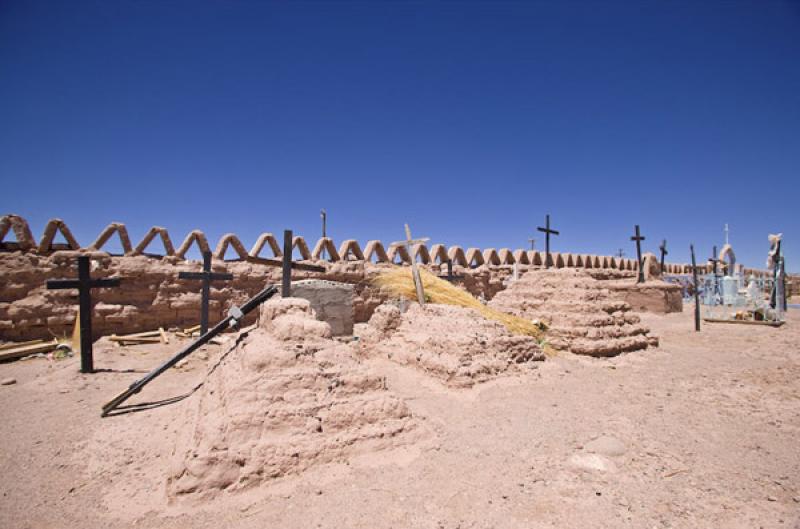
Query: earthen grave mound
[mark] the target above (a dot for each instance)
(583, 315)
(284, 398)
(454, 344)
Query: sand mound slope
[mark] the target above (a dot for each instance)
(285, 398)
(583, 316)
(454, 344)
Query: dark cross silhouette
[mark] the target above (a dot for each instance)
(639, 238)
(696, 292)
(206, 276)
(714, 260)
(547, 231)
(533, 243)
(450, 277)
(287, 264)
(324, 216)
(664, 252)
(620, 253)
(84, 284)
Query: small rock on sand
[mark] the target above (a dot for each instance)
(592, 463)
(606, 445)
(8, 381)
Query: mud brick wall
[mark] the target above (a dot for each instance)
(151, 295)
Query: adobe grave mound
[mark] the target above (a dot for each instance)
(583, 315)
(454, 344)
(286, 397)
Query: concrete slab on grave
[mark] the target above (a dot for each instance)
(332, 301)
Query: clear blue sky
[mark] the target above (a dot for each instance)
(469, 120)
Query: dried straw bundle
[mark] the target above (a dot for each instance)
(400, 282)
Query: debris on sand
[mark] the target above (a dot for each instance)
(284, 398)
(454, 344)
(582, 315)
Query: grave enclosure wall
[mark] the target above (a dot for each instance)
(151, 295)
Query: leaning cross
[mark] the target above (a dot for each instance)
(206, 276)
(664, 252)
(84, 284)
(409, 242)
(547, 231)
(639, 238)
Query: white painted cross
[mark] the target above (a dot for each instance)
(409, 243)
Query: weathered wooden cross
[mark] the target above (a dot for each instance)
(547, 231)
(84, 284)
(696, 292)
(664, 252)
(206, 276)
(409, 243)
(639, 238)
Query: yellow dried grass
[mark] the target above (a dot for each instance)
(400, 282)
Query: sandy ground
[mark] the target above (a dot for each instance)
(709, 425)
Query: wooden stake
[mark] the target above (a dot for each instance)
(19, 352)
(14, 345)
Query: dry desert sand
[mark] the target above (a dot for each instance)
(294, 429)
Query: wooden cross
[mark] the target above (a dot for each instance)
(620, 253)
(664, 252)
(409, 242)
(547, 231)
(696, 292)
(84, 284)
(639, 238)
(206, 276)
(533, 243)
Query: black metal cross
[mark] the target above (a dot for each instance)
(639, 238)
(450, 277)
(547, 231)
(714, 260)
(84, 284)
(206, 276)
(664, 252)
(696, 292)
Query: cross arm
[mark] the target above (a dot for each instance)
(191, 275)
(410, 242)
(547, 230)
(58, 284)
(105, 283)
(213, 276)
(279, 263)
